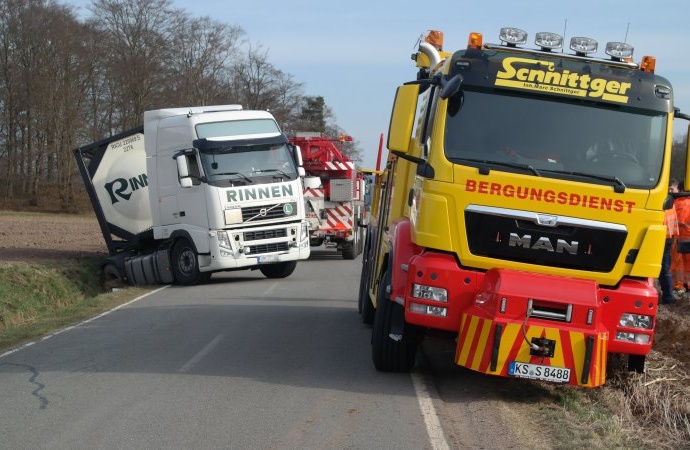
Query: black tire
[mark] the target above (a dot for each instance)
(350, 248)
(362, 237)
(364, 305)
(278, 270)
(636, 363)
(390, 355)
(185, 263)
(111, 277)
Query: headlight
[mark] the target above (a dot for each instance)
(640, 321)
(636, 338)
(438, 311)
(429, 293)
(304, 231)
(224, 239)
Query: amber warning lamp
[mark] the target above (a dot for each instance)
(474, 41)
(435, 38)
(648, 64)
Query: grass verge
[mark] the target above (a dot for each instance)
(36, 299)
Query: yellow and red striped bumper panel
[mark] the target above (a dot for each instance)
(488, 346)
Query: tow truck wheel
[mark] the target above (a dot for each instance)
(366, 309)
(185, 263)
(361, 239)
(350, 248)
(636, 363)
(278, 270)
(390, 354)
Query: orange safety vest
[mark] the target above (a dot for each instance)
(671, 222)
(682, 208)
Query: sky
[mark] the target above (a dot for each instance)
(355, 53)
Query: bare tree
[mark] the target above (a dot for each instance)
(138, 36)
(39, 60)
(258, 84)
(199, 63)
(64, 83)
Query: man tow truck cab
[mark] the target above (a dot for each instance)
(521, 208)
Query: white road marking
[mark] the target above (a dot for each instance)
(199, 356)
(431, 420)
(28, 344)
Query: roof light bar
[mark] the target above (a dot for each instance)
(583, 45)
(619, 50)
(512, 36)
(548, 41)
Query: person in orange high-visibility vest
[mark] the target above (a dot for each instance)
(680, 265)
(672, 231)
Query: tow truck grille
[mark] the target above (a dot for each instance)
(556, 241)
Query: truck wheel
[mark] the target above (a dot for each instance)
(366, 309)
(278, 270)
(360, 240)
(636, 363)
(111, 277)
(349, 250)
(390, 355)
(185, 263)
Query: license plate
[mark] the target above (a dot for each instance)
(539, 372)
(268, 259)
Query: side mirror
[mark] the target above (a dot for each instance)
(296, 154)
(450, 87)
(402, 118)
(183, 170)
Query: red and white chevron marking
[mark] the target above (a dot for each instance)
(318, 193)
(340, 217)
(334, 165)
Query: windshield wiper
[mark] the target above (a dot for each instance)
(484, 170)
(618, 185)
(274, 170)
(240, 174)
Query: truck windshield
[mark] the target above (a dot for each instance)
(561, 139)
(248, 164)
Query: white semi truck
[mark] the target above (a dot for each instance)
(194, 191)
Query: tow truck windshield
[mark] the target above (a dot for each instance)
(561, 139)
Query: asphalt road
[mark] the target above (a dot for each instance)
(243, 362)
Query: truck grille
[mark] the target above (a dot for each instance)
(268, 248)
(543, 239)
(266, 212)
(265, 234)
